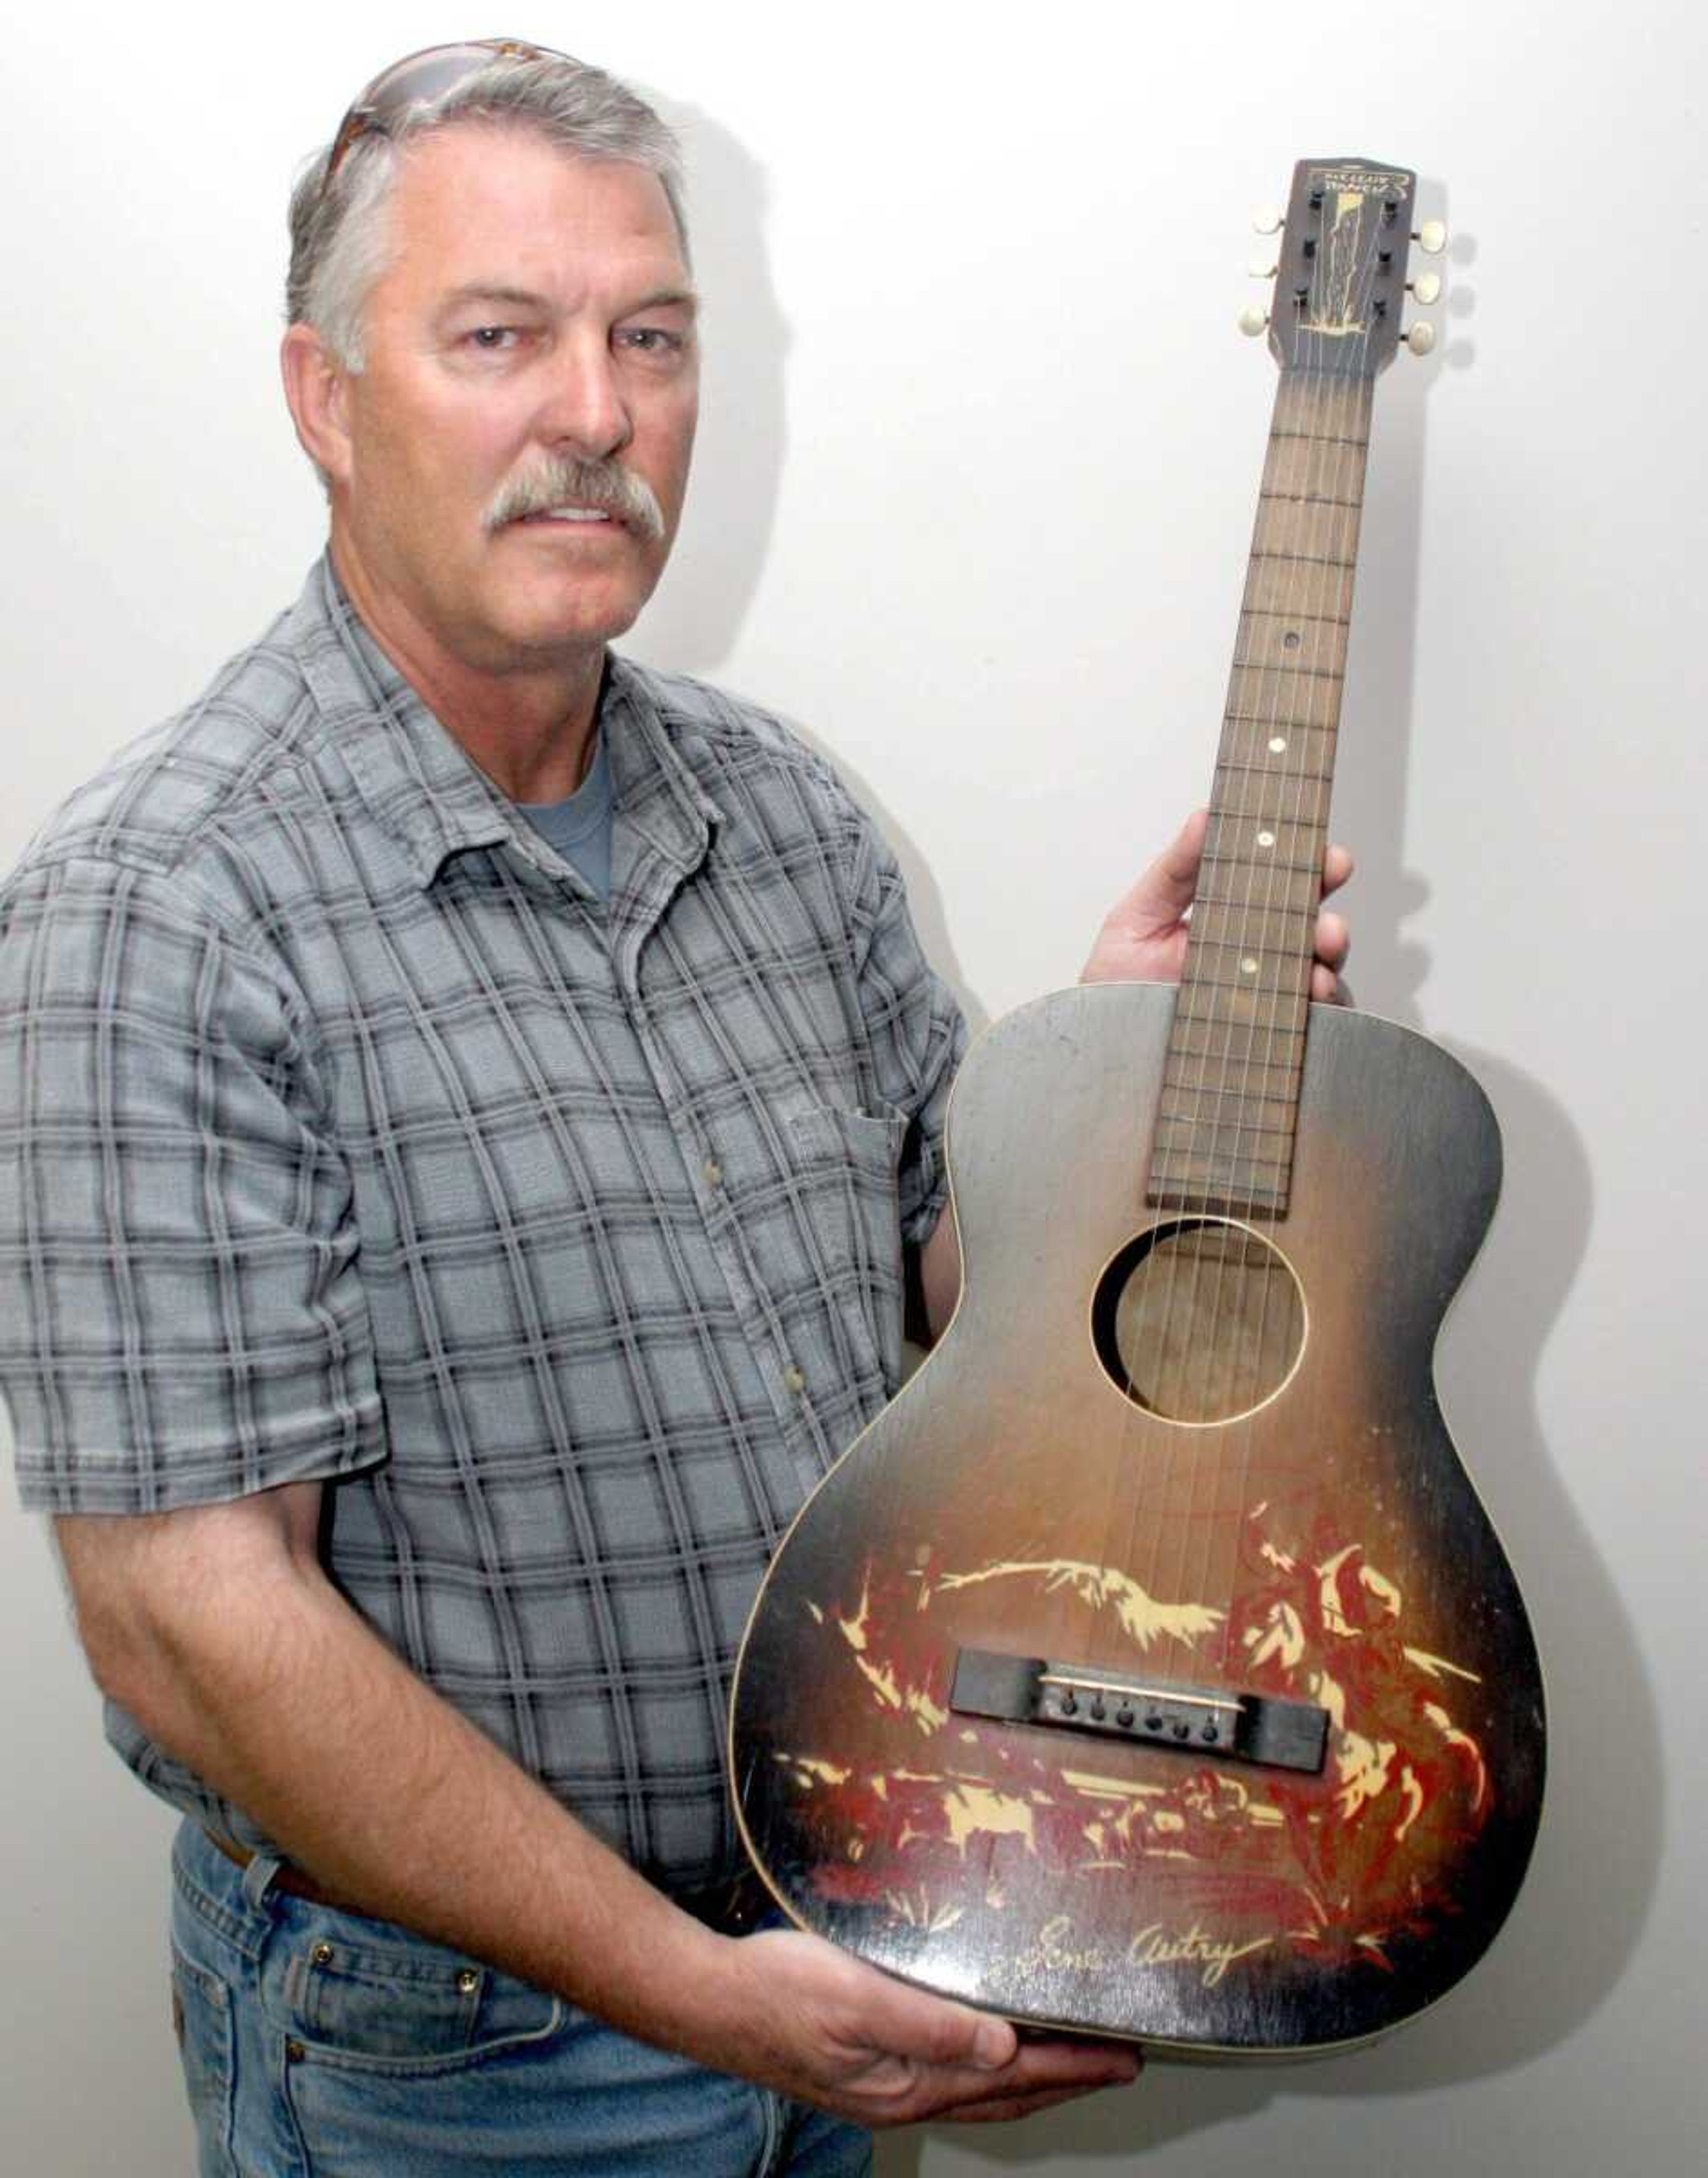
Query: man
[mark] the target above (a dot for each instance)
(470, 1105)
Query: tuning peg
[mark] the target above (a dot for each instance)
(1426, 287)
(1268, 220)
(1253, 320)
(1431, 237)
(1262, 267)
(1420, 337)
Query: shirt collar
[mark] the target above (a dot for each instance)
(424, 789)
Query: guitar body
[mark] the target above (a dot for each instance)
(1196, 1464)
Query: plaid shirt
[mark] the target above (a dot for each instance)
(345, 1135)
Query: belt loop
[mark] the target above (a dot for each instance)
(258, 1877)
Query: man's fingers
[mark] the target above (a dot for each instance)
(1043, 2073)
(1166, 890)
(1337, 866)
(933, 2030)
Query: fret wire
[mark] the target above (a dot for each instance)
(1266, 862)
(1243, 901)
(1304, 559)
(1274, 612)
(1242, 1096)
(1225, 1136)
(1253, 948)
(1253, 1171)
(1276, 665)
(1217, 1052)
(1318, 438)
(1311, 499)
(1263, 718)
(1272, 771)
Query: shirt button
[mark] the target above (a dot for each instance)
(794, 1379)
(714, 1173)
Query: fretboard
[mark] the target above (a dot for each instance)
(1228, 1108)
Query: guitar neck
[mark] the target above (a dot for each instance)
(1230, 1103)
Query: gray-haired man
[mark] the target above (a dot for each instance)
(467, 1108)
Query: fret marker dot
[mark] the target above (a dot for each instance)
(1266, 839)
(1277, 746)
(1290, 640)
(1248, 967)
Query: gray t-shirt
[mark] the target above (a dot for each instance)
(579, 828)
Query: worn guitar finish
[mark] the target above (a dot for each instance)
(1150, 1665)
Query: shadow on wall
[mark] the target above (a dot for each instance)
(694, 623)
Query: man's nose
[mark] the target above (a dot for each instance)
(585, 411)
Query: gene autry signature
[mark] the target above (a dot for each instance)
(1154, 1947)
(1158, 1946)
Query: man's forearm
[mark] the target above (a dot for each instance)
(218, 1631)
(245, 1663)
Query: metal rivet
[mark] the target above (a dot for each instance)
(467, 1981)
(295, 2052)
(322, 1955)
(795, 1379)
(714, 1172)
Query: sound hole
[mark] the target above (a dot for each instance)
(1199, 1320)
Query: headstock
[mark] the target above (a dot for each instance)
(1340, 274)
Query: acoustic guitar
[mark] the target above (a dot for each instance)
(1150, 1665)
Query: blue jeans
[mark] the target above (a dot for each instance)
(322, 2044)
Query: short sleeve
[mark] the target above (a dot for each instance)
(182, 1320)
(916, 1031)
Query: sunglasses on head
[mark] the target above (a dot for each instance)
(418, 79)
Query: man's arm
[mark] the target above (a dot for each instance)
(1143, 939)
(218, 1630)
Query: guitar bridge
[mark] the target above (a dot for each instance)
(1203, 1721)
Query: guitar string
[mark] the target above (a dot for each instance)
(1294, 475)
(1317, 406)
(1318, 400)
(1219, 1389)
(1342, 409)
(1196, 1244)
(1183, 1277)
(1290, 479)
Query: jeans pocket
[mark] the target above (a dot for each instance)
(201, 2018)
(357, 1993)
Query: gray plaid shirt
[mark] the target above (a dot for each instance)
(344, 1135)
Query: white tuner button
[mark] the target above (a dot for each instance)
(1253, 320)
(1262, 267)
(1431, 237)
(1426, 287)
(1420, 337)
(1267, 220)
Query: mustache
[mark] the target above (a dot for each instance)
(571, 481)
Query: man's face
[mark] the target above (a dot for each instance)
(537, 309)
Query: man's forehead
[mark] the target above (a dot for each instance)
(477, 174)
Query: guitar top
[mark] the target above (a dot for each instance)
(1150, 1665)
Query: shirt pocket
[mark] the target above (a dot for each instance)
(845, 1170)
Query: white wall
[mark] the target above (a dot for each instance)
(977, 470)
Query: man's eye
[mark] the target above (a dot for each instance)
(651, 340)
(492, 340)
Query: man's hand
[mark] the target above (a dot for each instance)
(821, 2026)
(1143, 938)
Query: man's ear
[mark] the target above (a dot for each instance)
(316, 388)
